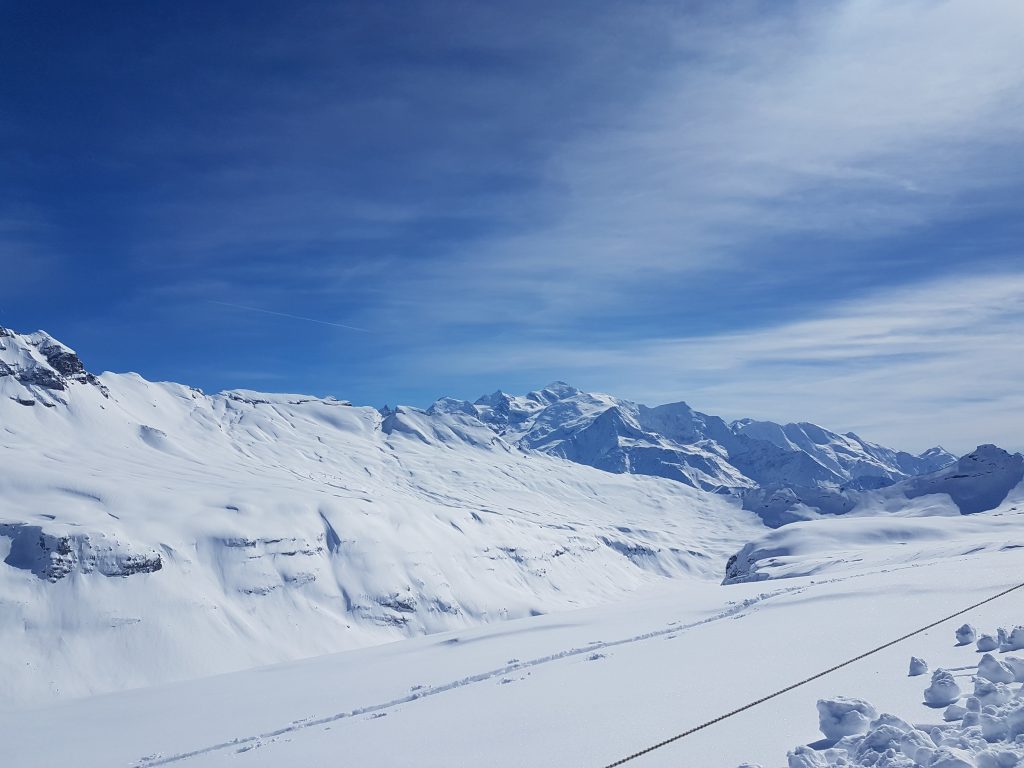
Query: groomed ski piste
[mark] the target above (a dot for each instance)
(277, 580)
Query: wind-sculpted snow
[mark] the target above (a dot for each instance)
(150, 532)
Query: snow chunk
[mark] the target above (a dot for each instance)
(1017, 665)
(896, 722)
(805, 757)
(943, 690)
(917, 666)
(948, 757)
(988, 692)
(992, 669)
(954, 712)
(1014, 641)
(917, 745)
(987, 642)
(966, 635)
(843, 716)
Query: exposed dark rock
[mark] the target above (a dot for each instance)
(62, 360)
(397, 602)
(52, 557)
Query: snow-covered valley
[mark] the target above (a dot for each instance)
(293, 580)
(584, 687)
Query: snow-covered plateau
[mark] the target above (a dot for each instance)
(561, 578)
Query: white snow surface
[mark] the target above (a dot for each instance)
(207, 580)
(582, 687)
(930, 527)
(150, 532)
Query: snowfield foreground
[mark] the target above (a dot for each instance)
(555, 579)
(578, 688)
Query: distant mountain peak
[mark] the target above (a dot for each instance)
(757, 460)
(37, 367)
(817, 467)
(561, 389)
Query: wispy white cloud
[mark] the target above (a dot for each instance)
(854, 120)
(599, 191)
(940, 362)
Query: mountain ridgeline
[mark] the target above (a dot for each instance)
(143, 520)
(783, 472)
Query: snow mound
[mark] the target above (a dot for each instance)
(987, 642)
(917, 666)
(943, 690)
(1017, 665)
(996, 740)
(837, 543)
(954, 712)
(966, 635)
(990, 693)
(985, 731)
(992, 669)
(843, 716)
(1012, 640)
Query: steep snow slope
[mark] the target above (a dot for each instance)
(979, 481)
(783, 472)
(860, 463)
(150, 532)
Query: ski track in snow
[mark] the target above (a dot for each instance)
(246, 743)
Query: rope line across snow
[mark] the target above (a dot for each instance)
(788, 688)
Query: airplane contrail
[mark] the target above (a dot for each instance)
(293, 317)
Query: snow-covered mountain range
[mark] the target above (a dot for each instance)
(783, 472)
(151, 532)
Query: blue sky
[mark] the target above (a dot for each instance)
(789, 210)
